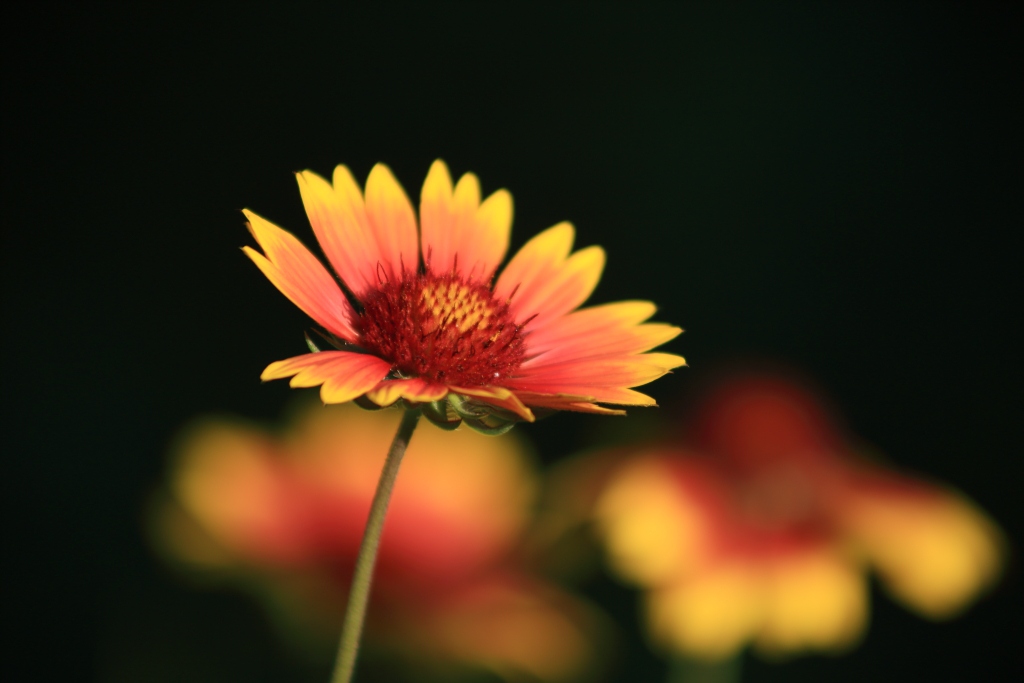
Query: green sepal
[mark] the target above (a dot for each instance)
(463, 408)
(483, 417)
(439, 413)
(494, 428)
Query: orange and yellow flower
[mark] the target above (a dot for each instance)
(420, 317)
(285, 515)
(759, 527)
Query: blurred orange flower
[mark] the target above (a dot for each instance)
(760, 527)
(442, 332)
(289, 511)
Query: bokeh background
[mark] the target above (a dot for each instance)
(833, 188)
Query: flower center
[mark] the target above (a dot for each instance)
(442, 329)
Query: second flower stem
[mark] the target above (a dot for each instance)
(355, 611)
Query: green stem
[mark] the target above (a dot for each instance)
(696, 671)
(355, 612)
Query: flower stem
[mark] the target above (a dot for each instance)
(355, 612)
(697, 671)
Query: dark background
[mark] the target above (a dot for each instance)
(834, 188)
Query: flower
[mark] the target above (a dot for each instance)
(759, 526)
(285, 515)
(441, 332)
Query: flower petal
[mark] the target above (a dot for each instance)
(393, 224)
(588, 323)
(656, 532)
(565, 291)
(338, 216)
(934, 549)
(536, 263)
(543, 282)
(417, 390)
(344, 375)
(460, 232)
(709, 617)
(812, 599)
(628, 372)
(436, 220)
(615, 395)
(581, 404)
(493, 230)
(604, 344)
(300, 277)
(498, 396)
(515, 626)
(668, 361)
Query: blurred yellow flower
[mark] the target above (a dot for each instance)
(759, 528)
(449, 587)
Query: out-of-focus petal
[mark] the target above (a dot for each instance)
(459, 504)
(654, 533)
(934, 550)
(709, 617)
(393, 224)
(344, 375)
(300, 277)
(515, 627)
(813, 600)
(227, 483)
(338, 216)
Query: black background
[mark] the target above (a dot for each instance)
(834, 188)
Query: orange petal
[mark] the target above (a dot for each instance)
(604, 344)
(628, 372)
(570, 286)
(393, 224)
(668, 361)
(615, 395)
(534, 265)
(300, 277)
(416, 390)
(544, 283)
(343, 374)
(594, 409)
(589, 322)
(459, 231)
(500, 397)
(493, 229)
(338, 217)
(436, 220)
(581, 404)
